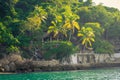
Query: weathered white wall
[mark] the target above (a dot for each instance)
(83, 58)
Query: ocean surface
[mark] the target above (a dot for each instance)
(95, 74)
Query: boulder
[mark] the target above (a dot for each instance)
(7, 68)
(2, 69)
(4, 61)
(12, 67)
(16, 58)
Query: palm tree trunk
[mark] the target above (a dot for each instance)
(70, 35)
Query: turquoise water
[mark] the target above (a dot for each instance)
(97, 74)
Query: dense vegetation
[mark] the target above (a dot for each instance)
(56, 28)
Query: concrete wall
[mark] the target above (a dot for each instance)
(83, 58)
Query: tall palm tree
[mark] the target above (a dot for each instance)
(70, 21)
(64, 23)
(35, 18)
(87, 36)
(70, 26)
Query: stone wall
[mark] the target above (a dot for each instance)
(83, 58)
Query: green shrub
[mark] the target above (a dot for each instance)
(13, 49)
(102, 46)
(57, 49)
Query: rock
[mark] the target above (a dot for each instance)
(7, 68)
(2, 69)
(55, 62)
(15, 58)
(0, 65)
(45, 63)
(4, 61)
(12, 67)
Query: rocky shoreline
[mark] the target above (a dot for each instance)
(60, 67)
(74, 67)
(15, 64)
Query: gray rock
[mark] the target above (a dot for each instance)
(7, 68)
(12, 66)
(0, 65)
(2, 69)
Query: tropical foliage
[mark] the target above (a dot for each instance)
(25, 25)
(58, 49)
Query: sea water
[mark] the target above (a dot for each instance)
(94, 74)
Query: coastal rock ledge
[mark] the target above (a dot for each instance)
(15, 63)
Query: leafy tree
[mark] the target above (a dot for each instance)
(88, 3)
(58, 49)
(84, 14)
(7, 39)
(114, 29)
(103, 47)
(7, 8)
(102, 15)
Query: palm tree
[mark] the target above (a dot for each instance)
(70, 21)
(98, 30)
(87, 36)
(56, 28)
(32, 27)
(35, 18)
(70, 26)
(64, 23)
